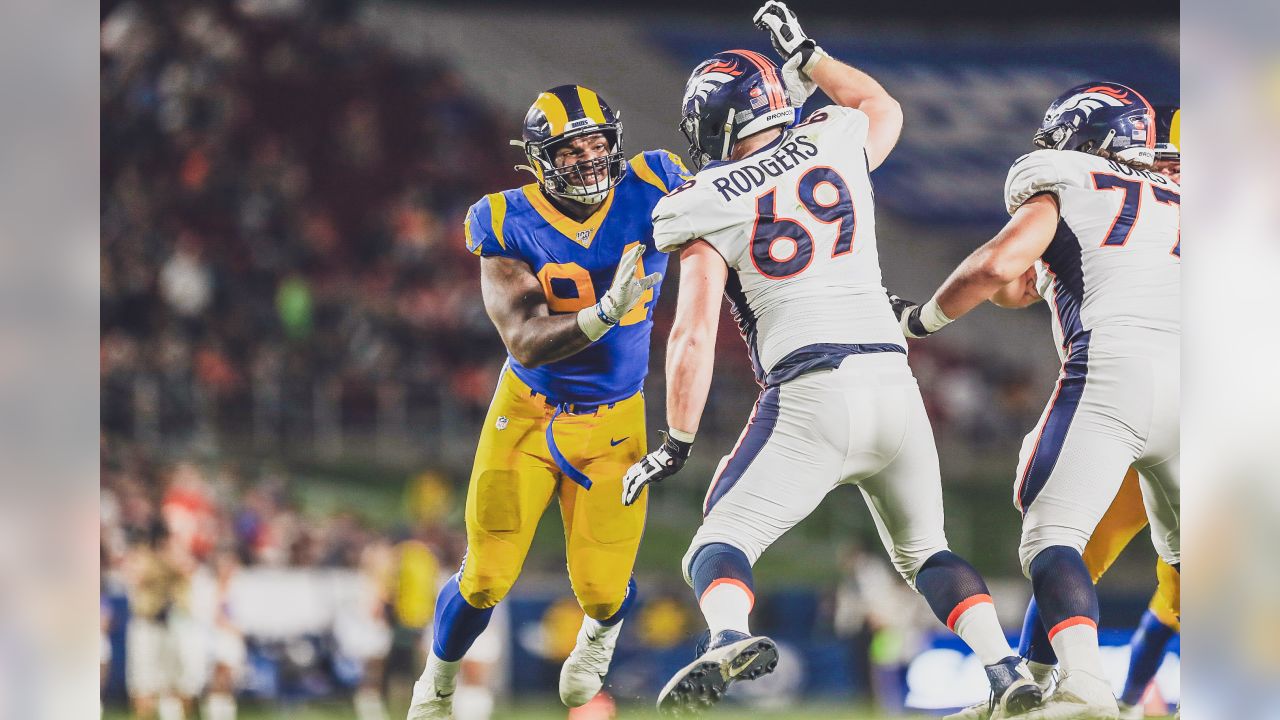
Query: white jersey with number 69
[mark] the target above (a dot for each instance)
(1116, 258)
(795, 223)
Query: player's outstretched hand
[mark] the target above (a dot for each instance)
(908, 314)
(784, 29)
(799, 52)
(626, 289)
(654, 467)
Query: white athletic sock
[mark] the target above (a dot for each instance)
(1076, 643)
(1041, 673)
(440, 674)
(597, 630)
(726, 605)
(979, 627)
(170, 708)
(220, 706)
(369, 706)
(472, 702)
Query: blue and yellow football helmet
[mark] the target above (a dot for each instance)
(559, 115)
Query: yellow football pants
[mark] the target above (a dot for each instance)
(514, 479)
(1126, 517)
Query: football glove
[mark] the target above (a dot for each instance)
(786, 34)
(654, 467)
(622, 295)
(917, 321)
(798, 50)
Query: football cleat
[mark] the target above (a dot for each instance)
(428, 703)
(583, 672)
(1013, 693)
(1132, 712)
(731, 656)
(1080, 696)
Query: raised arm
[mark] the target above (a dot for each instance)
(806, 64)
(690, 362)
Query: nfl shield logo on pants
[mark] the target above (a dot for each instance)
(502, 422)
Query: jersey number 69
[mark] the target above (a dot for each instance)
(772, 235)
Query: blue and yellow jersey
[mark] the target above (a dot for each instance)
(575, 263)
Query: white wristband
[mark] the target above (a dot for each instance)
(682, 436)
(932, 317)
(591, 324)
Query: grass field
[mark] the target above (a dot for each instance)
(551, 712)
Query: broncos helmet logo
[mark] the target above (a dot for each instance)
(1086, 103)
(711, 78)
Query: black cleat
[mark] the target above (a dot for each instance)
(730, 656)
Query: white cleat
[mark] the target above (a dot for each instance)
(730, 656)
(1132, 712)
(433, 692)
(428, 703)
(583, 672)
(1080, 696)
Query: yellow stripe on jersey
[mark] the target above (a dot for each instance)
(675, 160)
(498, 213)
(640, 166)
(554, 109)
(466, 233)
(591, 104)
(580, 232)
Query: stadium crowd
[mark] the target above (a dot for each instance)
(282, 204)
(281, 229)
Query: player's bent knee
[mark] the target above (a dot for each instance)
(600, 601)
(909, 562)
(484, 591)
(686, 563)
(1035, 543)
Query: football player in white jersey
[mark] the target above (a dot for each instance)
(1096, 234)
(781, 220)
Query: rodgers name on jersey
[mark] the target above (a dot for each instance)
(1116, 257)
(795, 223)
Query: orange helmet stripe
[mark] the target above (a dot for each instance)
(777, 98)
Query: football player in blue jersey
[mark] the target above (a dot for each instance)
(569, 275)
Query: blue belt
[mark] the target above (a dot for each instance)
(558, 457)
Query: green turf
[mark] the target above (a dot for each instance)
(548, 711)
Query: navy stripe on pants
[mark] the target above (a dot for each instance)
(1062, 410)
(759, 430)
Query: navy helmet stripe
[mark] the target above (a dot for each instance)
(1053, 434)
(568, 94)
(759, 430)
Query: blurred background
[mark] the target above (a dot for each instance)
(295, 359)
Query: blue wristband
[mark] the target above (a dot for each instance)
(604, 318)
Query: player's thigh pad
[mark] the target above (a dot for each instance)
(786, 460)
(512, 481)
(1073, 463)
(905, 493)
(602, 535)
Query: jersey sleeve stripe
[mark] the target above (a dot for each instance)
(640, 166)
(591, 104)
(472, 245)
(498, 214)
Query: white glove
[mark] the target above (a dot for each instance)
(799, 85)
(798, 50)
(623, 295)
(654, 467)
